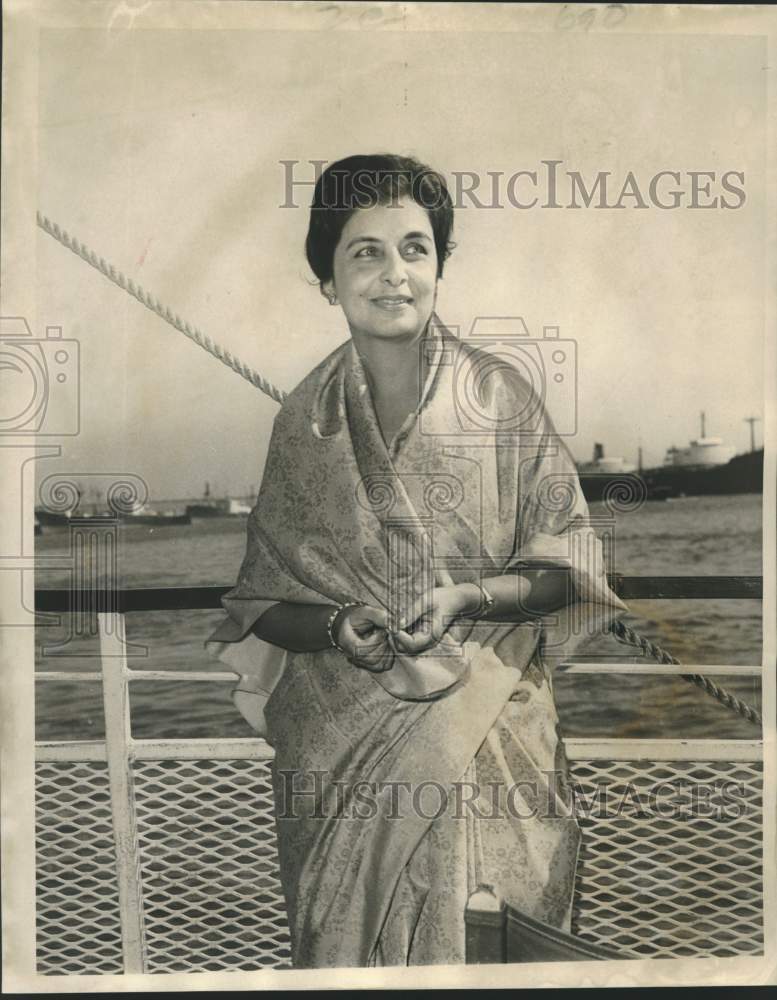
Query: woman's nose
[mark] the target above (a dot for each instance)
(394, 269)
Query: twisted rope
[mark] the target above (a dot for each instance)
(629, 637)
(147, 300)
(621, 632)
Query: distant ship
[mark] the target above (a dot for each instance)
(223, 507)
(61, 519)
(78, 512)
(707, 466)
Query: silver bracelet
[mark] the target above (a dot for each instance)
(333, 618)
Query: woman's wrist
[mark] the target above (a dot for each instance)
(335, 619)
(300, 628)
(499, 598)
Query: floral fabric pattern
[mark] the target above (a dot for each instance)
(374, 870)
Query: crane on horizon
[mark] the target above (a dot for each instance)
(752, 421)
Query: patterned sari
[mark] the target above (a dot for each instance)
(397, 793)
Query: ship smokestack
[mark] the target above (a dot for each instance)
(702, 425)
(598, 452)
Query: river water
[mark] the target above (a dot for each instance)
(693, 536)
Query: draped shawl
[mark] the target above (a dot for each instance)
(474, 484)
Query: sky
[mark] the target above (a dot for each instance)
(162, 150)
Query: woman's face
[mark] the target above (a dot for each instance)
(385, 270)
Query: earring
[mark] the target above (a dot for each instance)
(332, 298)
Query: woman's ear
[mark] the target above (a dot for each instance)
(328, 291)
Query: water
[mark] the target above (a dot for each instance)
(695, 536)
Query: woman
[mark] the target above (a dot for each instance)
(389, 602)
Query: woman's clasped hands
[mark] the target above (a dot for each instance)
(366, 636)
(361, 633)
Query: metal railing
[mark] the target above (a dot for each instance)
(629, 588)
(159, 855)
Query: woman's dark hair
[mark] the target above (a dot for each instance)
(363, 181)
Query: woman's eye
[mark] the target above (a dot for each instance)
(416, 248)
(366, 252)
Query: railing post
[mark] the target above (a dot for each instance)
(118, 745)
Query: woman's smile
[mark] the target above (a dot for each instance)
(393, 303)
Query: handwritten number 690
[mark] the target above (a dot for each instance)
(372, 16)
(572, 18)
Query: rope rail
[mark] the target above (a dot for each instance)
(629, 637)
(150, 302)
(623, 633)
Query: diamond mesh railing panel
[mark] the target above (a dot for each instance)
(211, 894)
(649, 883)
(77, 903)
(656, 876)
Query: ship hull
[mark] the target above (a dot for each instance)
(204, 510)
(53, 520)
(201, 510)
(158, 519)
(743, 474)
